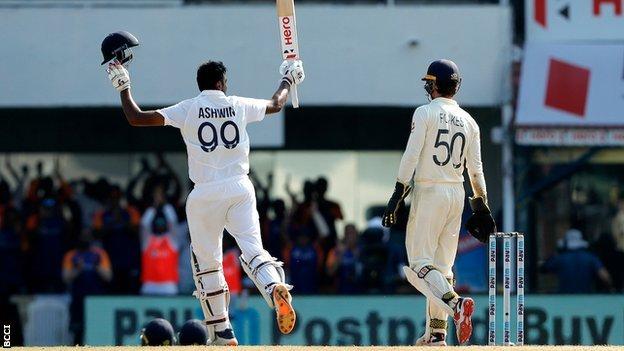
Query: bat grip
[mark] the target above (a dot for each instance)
(294, 96)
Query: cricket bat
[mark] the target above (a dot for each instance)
(288, 37)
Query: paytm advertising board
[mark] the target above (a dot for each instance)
(572, 85)
(566, 20)
(360, 320)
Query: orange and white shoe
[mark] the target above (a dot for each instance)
(286, 316)
(463, 319)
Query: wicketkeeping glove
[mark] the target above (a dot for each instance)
(400, 192)
(480, 224)
(292, 71)
(118, 76)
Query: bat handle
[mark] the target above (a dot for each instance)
(295, 97)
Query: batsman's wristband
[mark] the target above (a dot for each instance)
(286, 80)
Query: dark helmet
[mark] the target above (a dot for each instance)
(444, 74)
(193, 332)
(117, 45)
(158, 332)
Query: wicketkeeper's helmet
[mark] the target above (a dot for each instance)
(158, 332)
(117, 45)
(193, 332)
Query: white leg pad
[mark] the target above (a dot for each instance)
(265, 271)
(213, 295)
(424, 287)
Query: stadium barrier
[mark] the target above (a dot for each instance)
(360, 320)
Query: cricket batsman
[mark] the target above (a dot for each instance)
(444, 140)
(213, 126)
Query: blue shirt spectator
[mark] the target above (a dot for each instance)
(86, 271)
(576, 268)
(48, 232)
(343, 263)
(304, 261)
(118, 228)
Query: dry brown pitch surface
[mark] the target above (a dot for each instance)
(337, 348)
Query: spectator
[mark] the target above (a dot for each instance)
(617, 226)
(577, 269)
(263, 196)
(86, 196)
(118, 226)
(613, 260)
(160, 246)
(86, 270)
(17, 195)
(232, 271)
(162, 176)
(276, 237)
(331, 213)
(343, 263)
(306, 217)
(186, 284)
(304, 261)
(11, 259)
(48, 237)
(375, 259)
(231, 265)
(133, 184)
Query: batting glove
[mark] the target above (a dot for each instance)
(292, 71)
(118, 76)
(390, 215)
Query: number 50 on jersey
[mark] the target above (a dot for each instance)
(288, 37)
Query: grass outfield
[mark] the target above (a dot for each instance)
(339, 348)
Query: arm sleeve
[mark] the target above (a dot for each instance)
(255, 109)
(414, 146)
(175, 115)
(475, 166)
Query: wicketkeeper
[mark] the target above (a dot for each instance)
(444, 140)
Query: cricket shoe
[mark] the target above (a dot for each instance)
(225, 338)
(282, 301)
(435, 339)
(463, 319)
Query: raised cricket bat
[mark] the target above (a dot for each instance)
(288, 37)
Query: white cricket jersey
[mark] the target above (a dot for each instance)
(444, 139)
(214, 129)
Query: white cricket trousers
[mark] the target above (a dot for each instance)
(433, 226)
(230, 204)
(433, 234)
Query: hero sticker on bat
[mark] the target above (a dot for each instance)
(288, 40)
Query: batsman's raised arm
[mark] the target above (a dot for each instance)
(120, 78)
(292, 73)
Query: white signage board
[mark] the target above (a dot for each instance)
(565, 20)
(572, 85)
